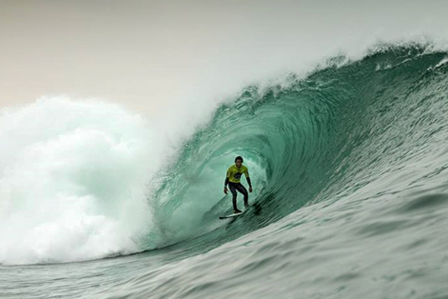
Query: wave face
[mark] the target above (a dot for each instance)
(321, 138)
(349, 166)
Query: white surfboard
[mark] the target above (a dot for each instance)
(230, 216)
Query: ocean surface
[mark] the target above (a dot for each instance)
(350, 172)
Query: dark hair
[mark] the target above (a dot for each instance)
(239, 158)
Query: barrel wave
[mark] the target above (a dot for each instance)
(348, 165)
(319, 138)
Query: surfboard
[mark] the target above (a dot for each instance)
(230, 216)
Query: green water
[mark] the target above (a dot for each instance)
(349, 166)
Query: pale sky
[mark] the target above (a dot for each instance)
(150, 56)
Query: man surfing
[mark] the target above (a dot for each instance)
(233, 177)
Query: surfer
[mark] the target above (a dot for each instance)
(233, 177)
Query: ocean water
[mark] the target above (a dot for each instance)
(349, 167)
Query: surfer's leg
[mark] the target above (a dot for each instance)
(243, 191)
(234, 195)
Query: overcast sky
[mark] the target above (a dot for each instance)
(150, 56)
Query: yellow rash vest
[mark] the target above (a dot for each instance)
(234, 173)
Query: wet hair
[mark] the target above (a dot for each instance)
(239, 158)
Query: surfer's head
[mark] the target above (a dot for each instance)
(238, 161)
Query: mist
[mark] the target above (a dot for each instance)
(182, 58)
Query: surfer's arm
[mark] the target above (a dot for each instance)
(248, 181)
(246, 174)
(228, 174)
(226, 182)
(225, 185)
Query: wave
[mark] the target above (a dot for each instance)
(312, 139)
(79, 179)
(72, 181)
